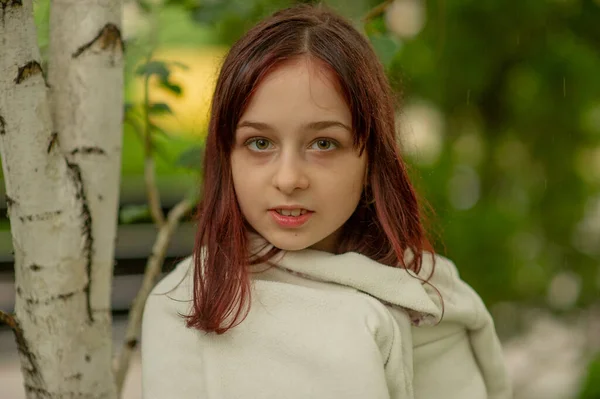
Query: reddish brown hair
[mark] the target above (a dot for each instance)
(382, 230)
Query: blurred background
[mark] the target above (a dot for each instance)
(499, 122)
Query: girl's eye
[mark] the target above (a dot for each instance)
(324, 145)
(258, 144)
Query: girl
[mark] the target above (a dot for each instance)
(312, 276)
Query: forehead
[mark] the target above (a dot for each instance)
(302, 87)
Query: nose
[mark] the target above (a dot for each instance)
(290, 175)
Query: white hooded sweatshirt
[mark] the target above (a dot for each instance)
(328, 326)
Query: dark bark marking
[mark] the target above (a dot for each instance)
(88, 150)
(64, 297)
(2, 126)
(132, 343)
(76, 376)
(53, 141)
(38, 391)
(35, 267)
(9, 203)
(88, 358)
(61, 297)
(86, 231)
(23, 347)
(40, 217)
(10, 3)
(109, 37)
(28, 70)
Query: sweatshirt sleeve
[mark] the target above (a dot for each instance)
(168, 371)
(465, 336)
(484, 341)
(399, 371)
(394, 338)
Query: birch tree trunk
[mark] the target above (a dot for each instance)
(61, 182)
(86, 97)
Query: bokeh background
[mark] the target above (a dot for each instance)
(499, 122)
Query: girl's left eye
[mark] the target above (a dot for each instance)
(324, 145)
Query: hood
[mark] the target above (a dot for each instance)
(433, 294)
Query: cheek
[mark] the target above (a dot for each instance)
(354, 186)
(346, 183)
(246, 183)
(239, 177)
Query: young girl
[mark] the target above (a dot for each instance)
(312, 276)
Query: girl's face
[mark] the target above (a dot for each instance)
(294, 151)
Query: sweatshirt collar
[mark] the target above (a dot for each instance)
(393, 285)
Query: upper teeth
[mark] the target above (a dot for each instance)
(291, 212)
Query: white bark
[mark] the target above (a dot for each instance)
(62, 191)
(86, 80)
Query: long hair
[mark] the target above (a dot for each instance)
(385, 225)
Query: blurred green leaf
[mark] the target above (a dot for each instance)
(386, 47)
(209, 12)
(172, 87)
(128, 108)
(157, 68)
(159, 109)
(134, 213)
(375, 26)
(144, 5)
(157, 129)
(591, 385)
(180, 65)
(191, 158)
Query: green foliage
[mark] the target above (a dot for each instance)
(162, 71)
(385, 46)
(519, 81)
(129, 214)
(159, 109)
(157, 68)
(591, 385)
(229, 19)
(191, 158)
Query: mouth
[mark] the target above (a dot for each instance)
(291, 212)
(294, 210)
(290, 218)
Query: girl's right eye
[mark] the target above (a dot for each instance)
(258, 144)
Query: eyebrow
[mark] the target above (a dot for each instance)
(318, 125)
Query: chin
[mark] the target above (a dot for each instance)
(291, 243)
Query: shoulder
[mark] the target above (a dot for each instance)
(442, 273)
(455, 298)
(182, 274)
(174, 291)
(436, 264)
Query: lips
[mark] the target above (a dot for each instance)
(290, 221)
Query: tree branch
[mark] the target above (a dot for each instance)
(9, 320)
(152, 193)
(149, 173)
(153, 269)
(377, 10)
